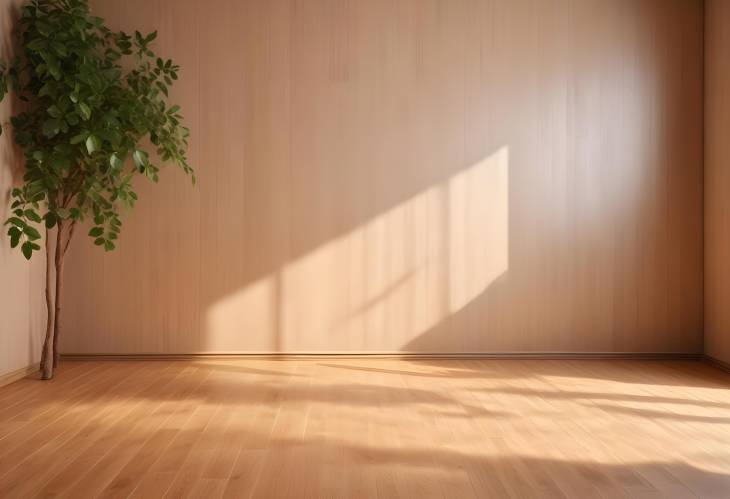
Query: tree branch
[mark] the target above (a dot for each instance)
(70, 235)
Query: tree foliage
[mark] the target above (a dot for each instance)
(96, 108)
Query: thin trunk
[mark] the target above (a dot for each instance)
(46, 366)
(61, 249)
(59, 288)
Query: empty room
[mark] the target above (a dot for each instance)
(365, 248)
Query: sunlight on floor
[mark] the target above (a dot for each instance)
(387, 428)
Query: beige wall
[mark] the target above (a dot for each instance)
(717, 180)
(22, 311)
(417, 175)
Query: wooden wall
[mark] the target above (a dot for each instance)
(22, 307)
(414, 175)
(717, 180)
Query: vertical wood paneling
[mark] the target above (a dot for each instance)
(717, 179)
(22, 306)
(420, 175)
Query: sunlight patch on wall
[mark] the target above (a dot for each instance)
(479, 225)
(376, 285)
(384, 283)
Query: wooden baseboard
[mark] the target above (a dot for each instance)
(391, 355)
(724, 366)
(21, 373)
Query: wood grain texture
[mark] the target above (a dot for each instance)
(368, 428)
(717, 180)
(22, 310)
(415, 175)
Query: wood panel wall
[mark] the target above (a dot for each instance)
(414, 175)
(22, 307)
(717, 179)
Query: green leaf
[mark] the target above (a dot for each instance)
(60, 162)
(47, 89)
(77, 139)
(55, 72)
(60, 48)
(141, 159)
(32, 215)
(51, 127)
(115, 161)
(108, 246)
(54, 111)
(96, 231)
(162, 87)
(92, 144)
(36, 45)
(27, 250)
(31, 232)
(14, 234)
(44, 28)
(99, 241)
(84, 111)
(16, 221)
(51, 220)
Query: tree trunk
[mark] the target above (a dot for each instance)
(51, 355)
(61, 249)
(60, 253)
(46, 366)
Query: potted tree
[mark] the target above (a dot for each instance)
(96, 106)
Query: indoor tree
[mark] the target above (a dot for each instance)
(94, 108)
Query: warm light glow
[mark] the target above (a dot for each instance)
(388, 281)
(479, 228)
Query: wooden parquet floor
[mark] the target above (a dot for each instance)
(368, 428)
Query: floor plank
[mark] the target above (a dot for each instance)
(368, 428)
